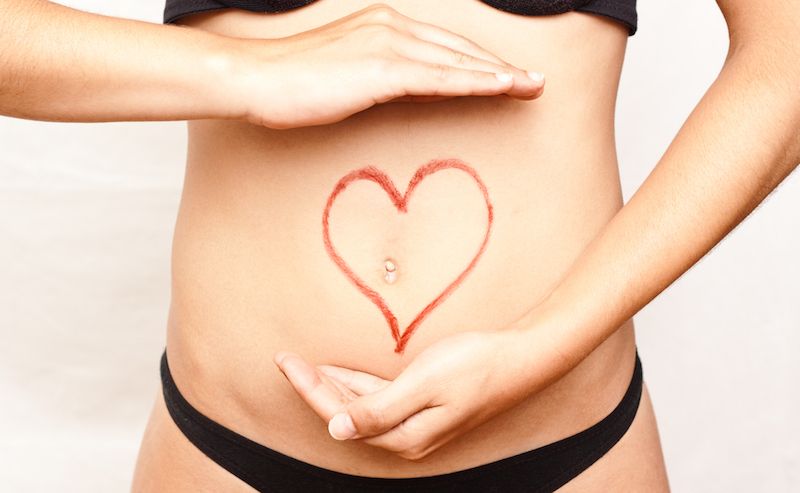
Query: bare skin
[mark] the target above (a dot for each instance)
(251, 275)
(594, 264)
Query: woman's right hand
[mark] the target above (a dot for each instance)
(371, 56)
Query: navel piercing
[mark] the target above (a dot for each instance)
(391, 271)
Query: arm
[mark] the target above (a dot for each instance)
(738, 144)
(62, 64)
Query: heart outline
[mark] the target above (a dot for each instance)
(400, 202)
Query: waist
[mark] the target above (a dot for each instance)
(255, 269)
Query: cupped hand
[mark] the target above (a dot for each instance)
(372, 56)
(451, 387)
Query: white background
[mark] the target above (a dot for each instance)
(86, 218)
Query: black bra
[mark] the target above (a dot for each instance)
(623, 11)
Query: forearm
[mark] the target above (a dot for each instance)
(738, 144)
(62, 64)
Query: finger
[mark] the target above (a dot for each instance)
(432, 53)
(417, 434)
(378, 412)
(325, 400)
(430, 40)
(341, 387)
(358, 381)
(429, 32)
(441, 36)
(420, 99)
(424, 79)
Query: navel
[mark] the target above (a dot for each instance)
(390, 268)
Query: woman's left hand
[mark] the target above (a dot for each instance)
(451, 387)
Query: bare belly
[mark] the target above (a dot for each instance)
(252, 274)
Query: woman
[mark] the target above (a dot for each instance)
(466, 327)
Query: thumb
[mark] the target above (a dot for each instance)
(378, 412)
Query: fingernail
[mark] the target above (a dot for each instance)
(503, 76)
(537, 76)
(341, 426)
(279, 357)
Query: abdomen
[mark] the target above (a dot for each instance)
(252, 273)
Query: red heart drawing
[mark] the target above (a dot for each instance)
(401, 203)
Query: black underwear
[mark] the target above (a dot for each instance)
(543, 469)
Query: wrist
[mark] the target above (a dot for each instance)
(255, 91)
(226, 67)
(543, 345)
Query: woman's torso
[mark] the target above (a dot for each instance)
(251, 274)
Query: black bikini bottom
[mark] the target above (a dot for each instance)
(543, 469)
